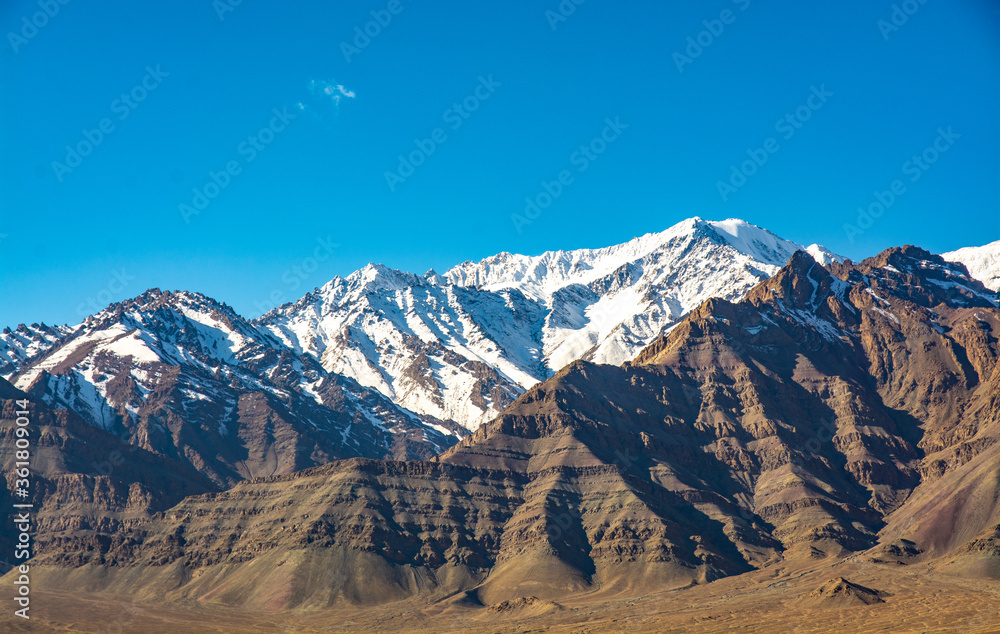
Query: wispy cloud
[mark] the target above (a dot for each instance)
(324, 93)
(331, 90)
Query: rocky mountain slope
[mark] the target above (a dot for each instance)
(983, 262)
(85, 482)
(832, 411)
(184, 376)
(463, 345)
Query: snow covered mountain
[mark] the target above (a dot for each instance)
(463, 345)
(384, 363)
(26, 342)
(184, 376)
(983, 263)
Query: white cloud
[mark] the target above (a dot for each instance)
(328, 89)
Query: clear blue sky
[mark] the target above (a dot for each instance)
(324, 174)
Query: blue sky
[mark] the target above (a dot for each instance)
(313, 182)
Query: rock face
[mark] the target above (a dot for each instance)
(85, 483)
(183, 376)
(463, 345)
(832, 410)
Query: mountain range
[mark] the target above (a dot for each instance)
(463, 345)
(700, 404)
(450, 350)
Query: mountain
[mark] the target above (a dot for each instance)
(183, 376)
(463, 345)
(25, 342)
(983, 262)
(834, 413)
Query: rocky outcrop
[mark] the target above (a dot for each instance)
(843, 593)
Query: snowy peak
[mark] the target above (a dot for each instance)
(462, 345)
(823, 255)
(763, 245)
(751, 240)
(433, 278)
(371, 279)
(176, 325)
(154, 300)
(381, 277)
(541, 276)
(182, 374)
(25, 342)
(982, 262)
(137, 336)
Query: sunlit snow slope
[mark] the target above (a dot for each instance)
(462, 345)
(983, 263)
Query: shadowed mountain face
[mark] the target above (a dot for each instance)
(830, 411)
(84, 482)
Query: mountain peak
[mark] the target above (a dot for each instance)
(761, 244)
(541, 275)
(375, 275)
(803, 283)
(924, 278)
(154, 299)
(434, 279)
(461, 345)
